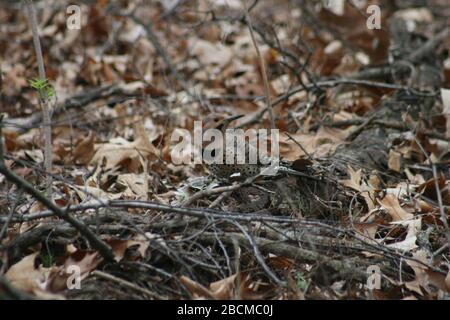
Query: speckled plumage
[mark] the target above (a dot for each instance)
(237, 171)
(226, 171)
(234, 171)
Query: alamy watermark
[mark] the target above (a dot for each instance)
(373, 11)
(374, 278)
(73, 21)
(74, 280)
(373, 21)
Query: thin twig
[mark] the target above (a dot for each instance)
(209, 192)
(300, 146)
(334, 83)
(96, 243)
(43, 98)
(263, 68)
(259, 257)
(127, 284)
(441, 206)
(438, 191)
(219, 199)
(10, 215)
(148, 27)
(195, 212)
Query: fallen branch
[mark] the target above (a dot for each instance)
(379, 122)
(195, 212)
(334, 83)
(127, 284)
(96, 243)
(263, 68)
(350, 267)
(77, 101)
(209, 192)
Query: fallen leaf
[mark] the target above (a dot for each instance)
(395, 161)
(391, 204)
(84, 150)
(135, 184)
(195, 288)
(409, 243)
(120, 152)
(423, 275)
(356, 183)
(223, 289)
(34, 280)
(120, 247)
(84, 260)
(210, 53)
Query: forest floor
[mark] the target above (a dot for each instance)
(361, 110)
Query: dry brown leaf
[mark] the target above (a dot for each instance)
(429, 189)
(14, 80)
(409, 243)
(420, 274)
(437, 279)
(425, 276)
(195, 288)
(395, 161)
(210, 53)
(423, 279)
(135, 184)
(280, 263)
(367, 230)
(355, 179)
(223, 289)
(84, 150)
(120, 152)
(85, 260)
(356, 183)
(120, 247)
(227, 288)
(391, 204)
(34, 280)
(88, 192)
(320, 144)
(423, 15)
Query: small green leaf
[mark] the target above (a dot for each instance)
(302, 283)
(43, 87)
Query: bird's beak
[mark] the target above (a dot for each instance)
(235, 117)
(226, 122)
(232, 118)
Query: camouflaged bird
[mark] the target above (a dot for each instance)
(224, 170)
(239, 171)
